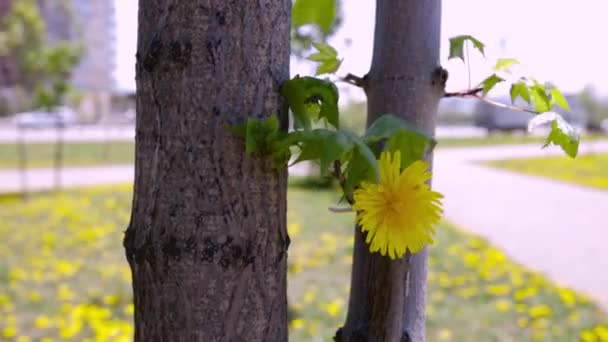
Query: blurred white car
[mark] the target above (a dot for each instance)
(604, 125)
(60, 116)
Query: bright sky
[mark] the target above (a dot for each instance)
(562, 41)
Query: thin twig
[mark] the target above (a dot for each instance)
(337, 173)
(502, 105)
(341, 210)
(465, 93)
(357, 81)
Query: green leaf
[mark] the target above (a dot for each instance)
(412, 146)
(558, 98)
(323, 145)
(490, 82)
(264, 136)
(310, 99)
(362, 167)
(326, 50)
(387, 125)
(260, 134)
(562, 133)
(505, 63)
(328, 67)
(540, 100)
(457, 46)
(327, 59)
(519, 89)
(238, 130)
(318, 12)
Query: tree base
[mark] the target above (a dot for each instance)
(361, 335)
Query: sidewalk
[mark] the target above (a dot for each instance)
(43, 179)
(550, 226)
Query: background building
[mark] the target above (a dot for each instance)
(91, 23)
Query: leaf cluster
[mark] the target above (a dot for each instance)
(542, 99)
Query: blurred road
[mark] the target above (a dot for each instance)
(9, 133)
(126, 132)
(549, 226)
(43, 178)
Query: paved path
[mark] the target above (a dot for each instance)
(126, 132)
(553, 227)
(44, 179)
(89, 133)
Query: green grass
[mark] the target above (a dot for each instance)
(95, 154)
(63, 275)
(504, 139)
(75, 154)
(588, 170)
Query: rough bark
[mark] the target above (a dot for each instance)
(207, 240)
(388, 298)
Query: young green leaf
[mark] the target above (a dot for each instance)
(557, 98)
(540, 100)
(519, 89)
(238, 130)
(260, 134)
(318, 12)
(310, 99)
(327, 57)
(490, 82)
(562, 133)
(387, 125)
(412, 145)
(326, 50)
(323, 145)
(362, 167)
(457, 46)
(505, 63)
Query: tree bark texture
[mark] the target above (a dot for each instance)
(207, 241)
(388, 298)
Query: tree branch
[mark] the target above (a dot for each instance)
(357, 81)
(337, 173)
(502, 105)
(474, 93)
(464, 93)
(340, 210)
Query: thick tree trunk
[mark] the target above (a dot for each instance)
(388, 298)
(207, 240)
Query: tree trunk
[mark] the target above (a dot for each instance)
(388, 298)
(207, 240)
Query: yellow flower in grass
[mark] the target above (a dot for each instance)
(399, 212)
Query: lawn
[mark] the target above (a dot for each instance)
(63, 276)
(589, 170)
(75, 154)
(96, 153)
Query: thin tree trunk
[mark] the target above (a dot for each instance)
(207, 240)
(388, 298)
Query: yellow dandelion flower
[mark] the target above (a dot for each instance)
(399, 212)
(296, 324)
(503, 305)
(445, 334)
